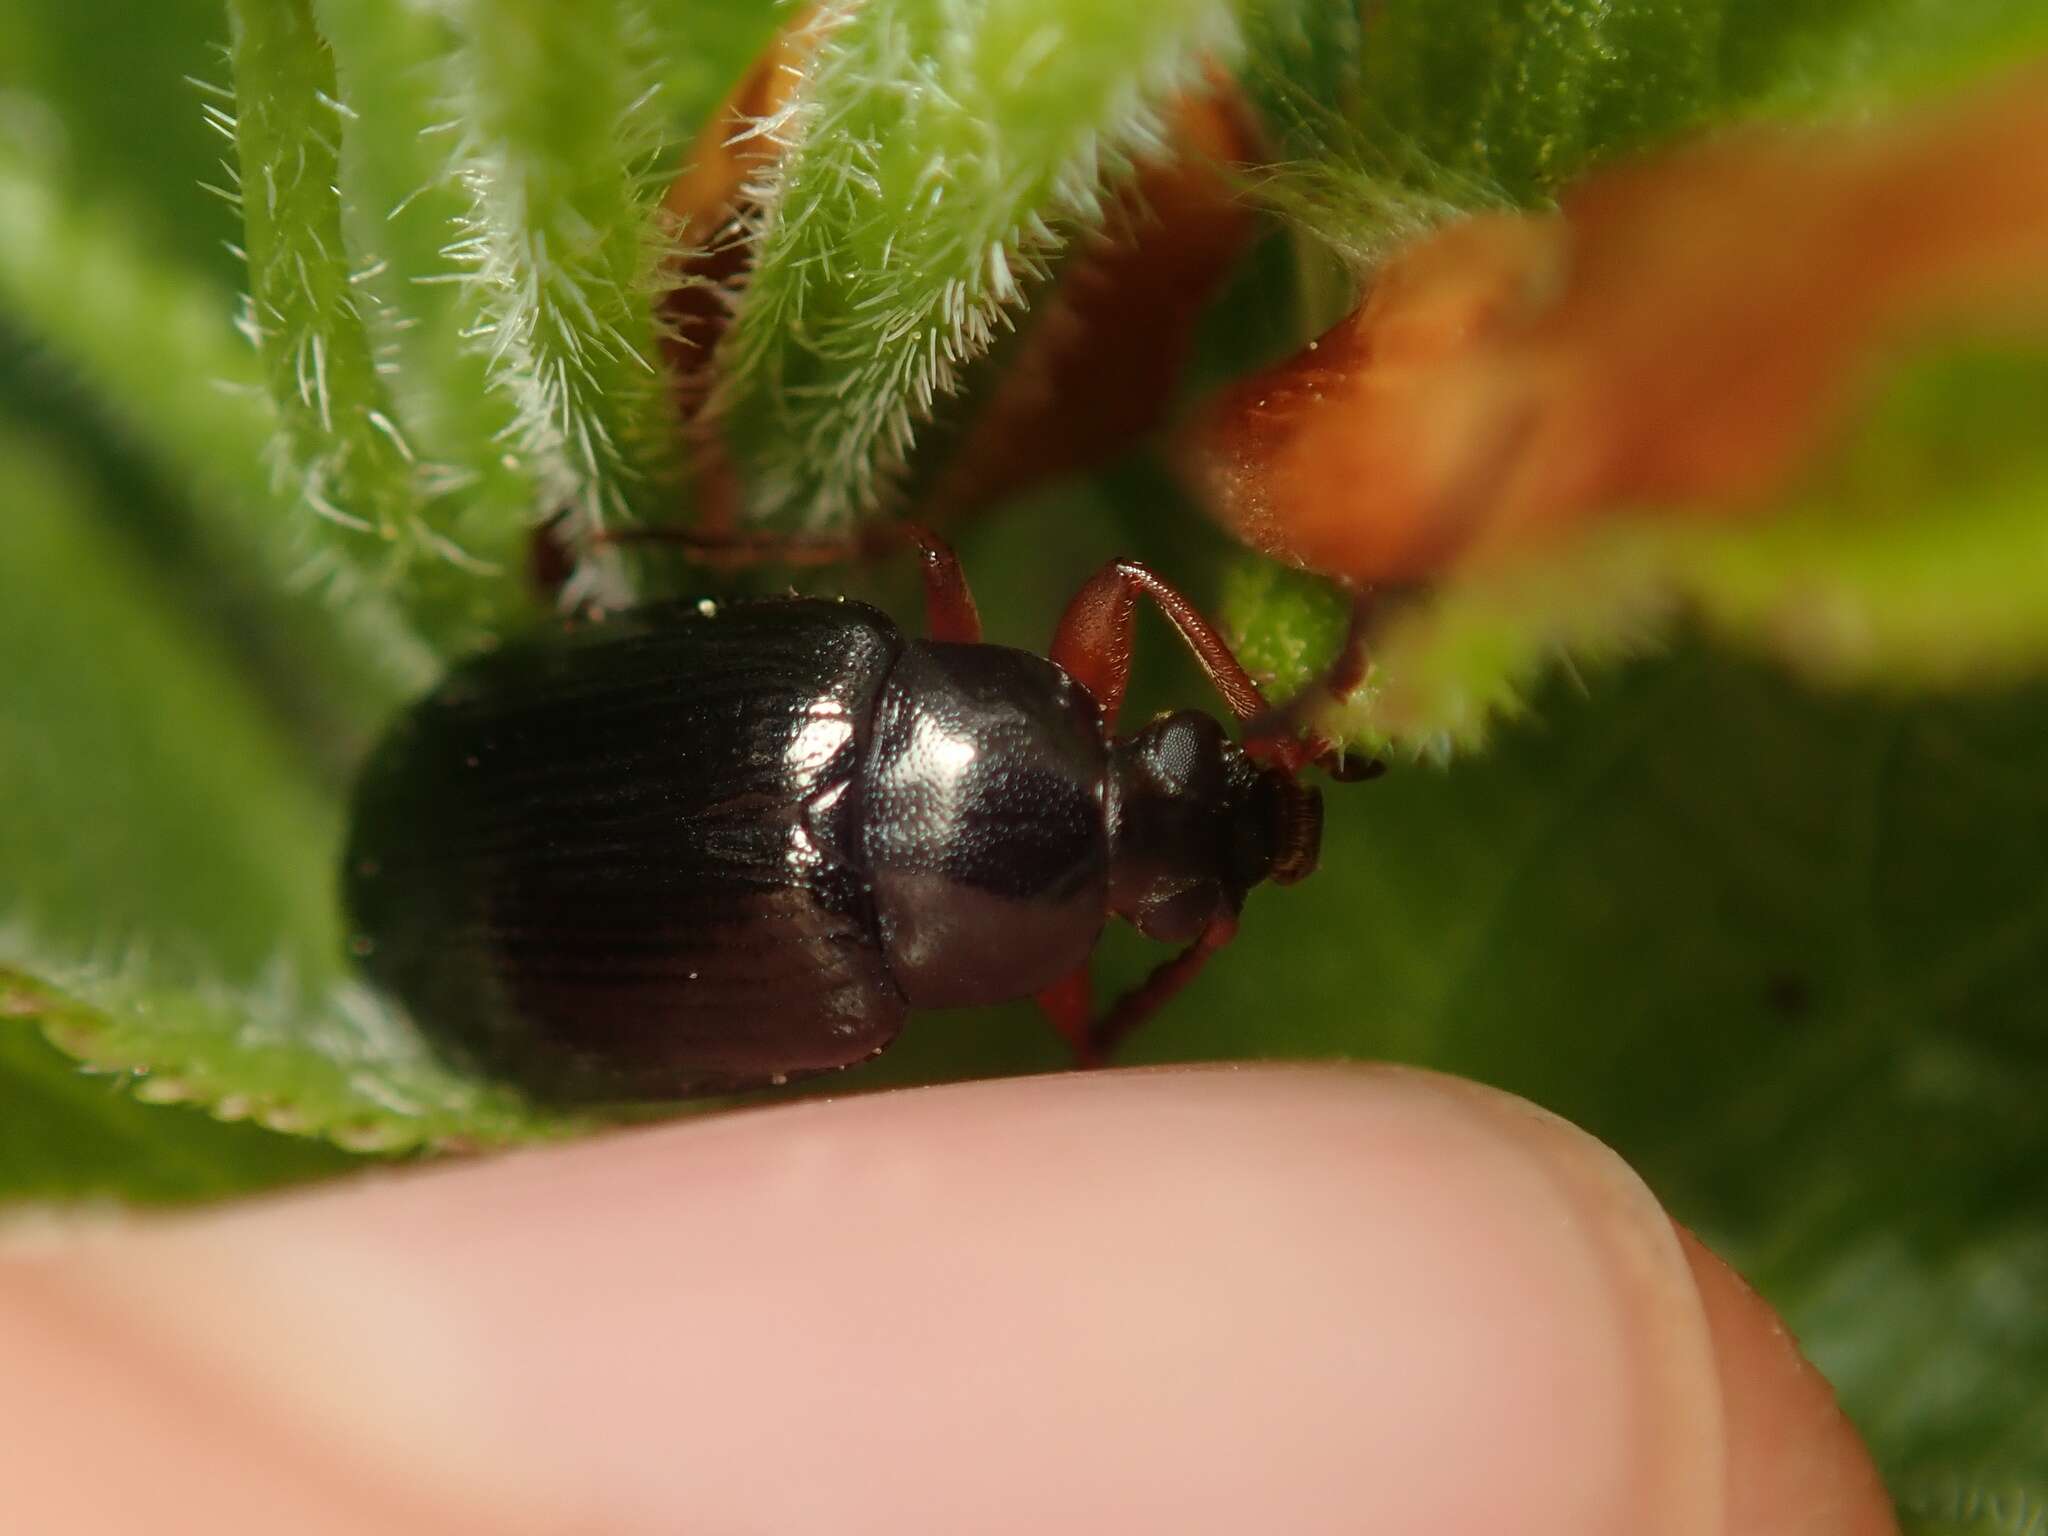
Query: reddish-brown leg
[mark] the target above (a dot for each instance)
(1154, 992)
(742, 550)
(949, 608)
(1069, 1006)
(949, 611)
(1093, 644)
(1093, 641)
(550, 558)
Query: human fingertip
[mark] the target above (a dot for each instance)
(1796, 1466)
(1302, 1299)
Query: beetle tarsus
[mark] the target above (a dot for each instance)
(1287, 734)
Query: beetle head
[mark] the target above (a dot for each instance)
(1194, 824)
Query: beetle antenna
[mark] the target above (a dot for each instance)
(1301, 833)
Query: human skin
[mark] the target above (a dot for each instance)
(1278, 1299)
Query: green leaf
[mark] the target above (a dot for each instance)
(167, 863)
(347, 454)
(63, 68)
(336, 416)
(153, 344)
(1506, 100)
(68, 1135)
(343, 1065)
(939, 153)
(403, 207)
(149, 805)
(564, 139)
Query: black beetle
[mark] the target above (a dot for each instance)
(698, 848)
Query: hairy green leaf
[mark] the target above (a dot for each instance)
(403, 206)
(342, 1064)
(168, 865)
(154, 344)
(939, 152)
(1506, 100)
(70, 1135)
(351, 458)
(563, 135)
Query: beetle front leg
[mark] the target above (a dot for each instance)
(1068, 1003)
(1157, 989)
(1093, 641)
(1093, 645)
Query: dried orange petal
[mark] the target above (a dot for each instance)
(1684, 335)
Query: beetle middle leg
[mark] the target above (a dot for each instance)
(950, 613)
(1094, 1037)
(745, 550)
(554, 554)
(949, 608)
